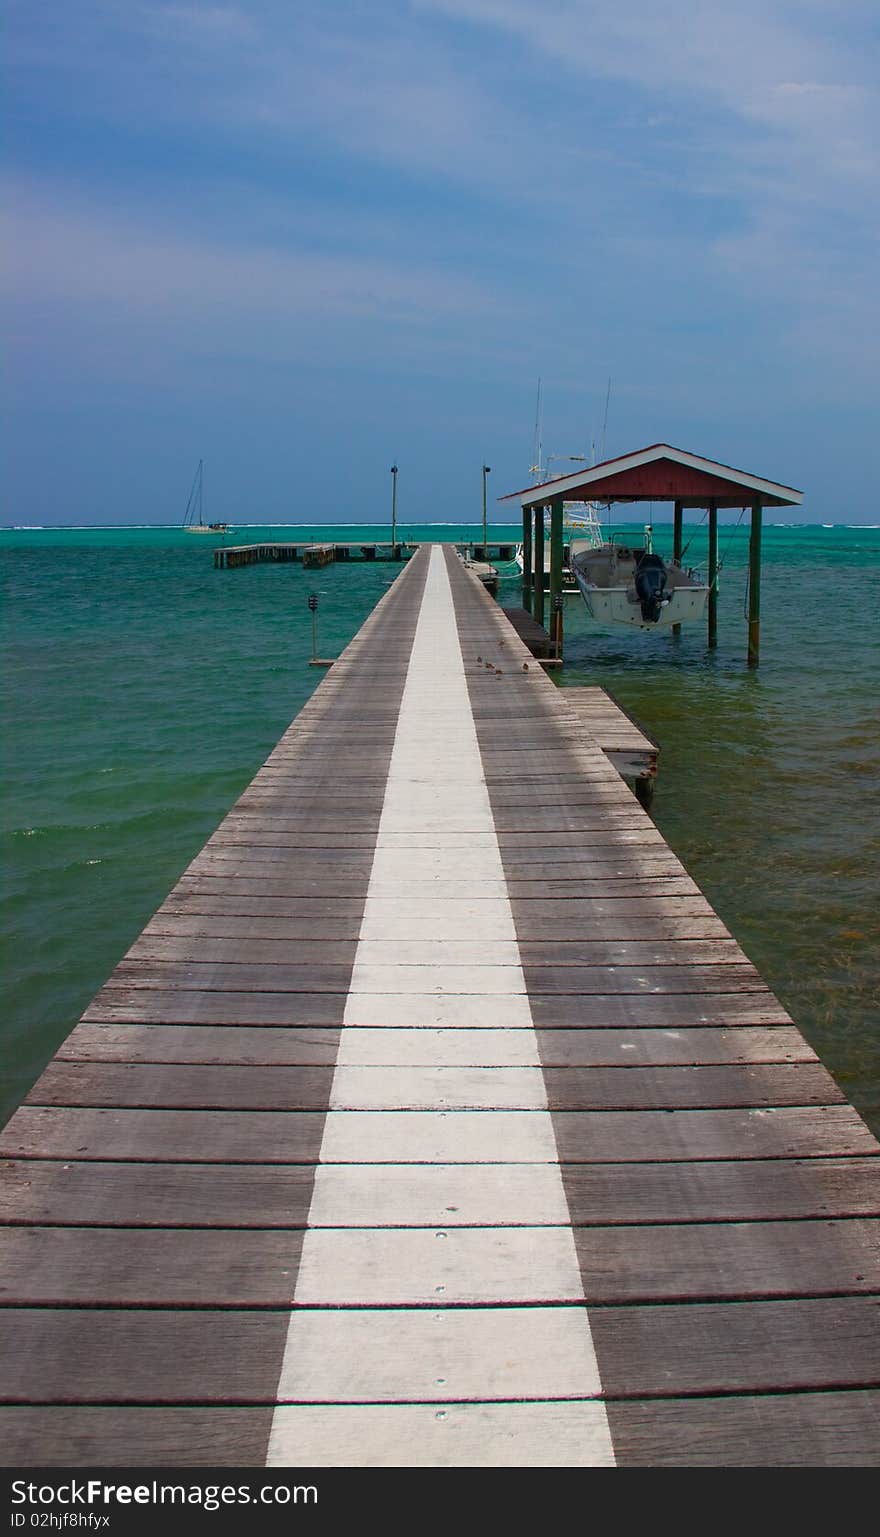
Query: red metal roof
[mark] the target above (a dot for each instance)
(660, 473)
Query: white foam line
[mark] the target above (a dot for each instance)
(360, 1329)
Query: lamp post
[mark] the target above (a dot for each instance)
(393, 511)
(486, 471)
(313, 607)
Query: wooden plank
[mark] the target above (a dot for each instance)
(158, 1006)
(464, 1045)
(130, 1355)
(296, 920)
(650, 1136)
(738, 1347)
(694, 1047)
(575, 918)
(214, 898)
(663, 950)
(638, 977)
(225, 916)
(195, 1087)
(202, 948)
(182, 1086)
(618, 921)
(278, 862)
(228, 975)
(604, 862)
(733, 1191)
(164, 1136)
(200, 1043)
(734, 1260)
(644, 836)
(634, 1010)
(261, 880)
(149, 1267)
(147, 1195)
(187, 940)
(183, 923)
(694, 1088)
(808, 1430)
(85, 1436)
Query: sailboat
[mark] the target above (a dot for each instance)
(194, 516)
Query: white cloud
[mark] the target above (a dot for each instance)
(62, 248)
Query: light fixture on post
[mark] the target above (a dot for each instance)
(393, 511)
(486, 471)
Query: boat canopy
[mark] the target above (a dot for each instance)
(660, 473)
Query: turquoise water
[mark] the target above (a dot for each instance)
(142, 690)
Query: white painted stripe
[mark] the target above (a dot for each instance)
(446, 1088)
(436, 840)
(435, 886)
(439, 1136)
(442, 978)
(360, 1355)
(458, 1197)
(424, 1047)
(438, 1195)
(433, 952)
(504, 1010)
(425, 1435)
(347, 1267)
(436, 920)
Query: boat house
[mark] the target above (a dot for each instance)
(659, 473)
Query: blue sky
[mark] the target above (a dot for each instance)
(302, 240)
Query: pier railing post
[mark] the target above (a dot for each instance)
(556, 515)
(527, 559)
(538, 599)
(755, 583)
(713, 575)
(677, 529)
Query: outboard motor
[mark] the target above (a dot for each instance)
(651, 586)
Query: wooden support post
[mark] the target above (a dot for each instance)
(713, 575)
(556, 511)
(527, 559)
(755, 583)
(677, 522)
(644, 790)
(538, 596)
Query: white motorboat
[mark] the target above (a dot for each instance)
(622, 584)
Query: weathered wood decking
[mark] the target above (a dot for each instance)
(435, 1118)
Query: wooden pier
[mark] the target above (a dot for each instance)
(436, 1119)
(227, 557)
(625, 744)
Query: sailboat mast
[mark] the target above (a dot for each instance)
(538, 450)
(605, 420)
